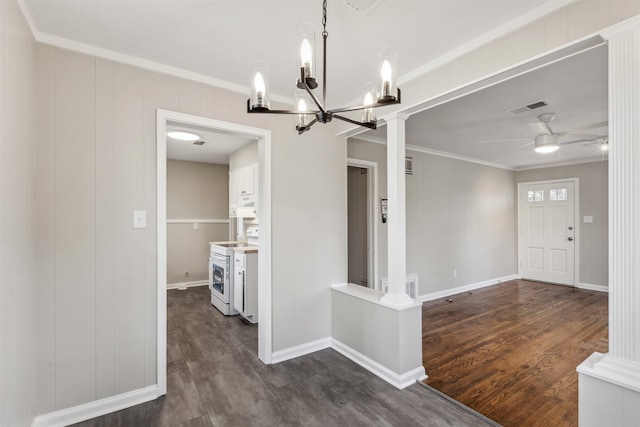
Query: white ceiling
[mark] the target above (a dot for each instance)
(216, 149)
(219, 39)
(480, 126)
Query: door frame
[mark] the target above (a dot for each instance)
(372, 215)
(576, 213)
(264, 249)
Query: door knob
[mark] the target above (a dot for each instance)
(570, 239)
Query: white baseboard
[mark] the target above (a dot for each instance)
(590, 287)
(300, 350)
(398, 380)
(96, 408)
(184, 285)
(447, 292)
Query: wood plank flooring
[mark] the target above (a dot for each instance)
(510, 351)
(214, 378)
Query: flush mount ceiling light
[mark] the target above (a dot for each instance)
(546, 143)
(183, 136)
(386, 92)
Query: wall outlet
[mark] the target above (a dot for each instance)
(186, 273)
(455, 273)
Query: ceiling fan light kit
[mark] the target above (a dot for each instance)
(383, 94)
(546, 143)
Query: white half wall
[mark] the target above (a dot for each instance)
(385, 340)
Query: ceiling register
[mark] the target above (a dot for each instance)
(385, 93)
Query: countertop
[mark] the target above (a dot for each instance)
(246, 249)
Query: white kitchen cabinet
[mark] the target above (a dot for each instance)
(243, 188)
(245, 284)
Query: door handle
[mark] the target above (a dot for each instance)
(570, 239)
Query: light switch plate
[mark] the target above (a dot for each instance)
(139, 219)
(588, 219)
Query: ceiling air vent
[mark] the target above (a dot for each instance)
(199, 142)
(364, 6)
(529, 107)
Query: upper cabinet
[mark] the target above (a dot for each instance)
(243, 188)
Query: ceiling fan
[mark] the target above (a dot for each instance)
(548, 141)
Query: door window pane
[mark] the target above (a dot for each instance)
(558, 194)
(536, 195)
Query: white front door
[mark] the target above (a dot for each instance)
(547, 232)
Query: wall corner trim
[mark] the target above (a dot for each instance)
(86, 411)
(300, 350)
(400, 381)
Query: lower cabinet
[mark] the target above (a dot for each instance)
(245, 285)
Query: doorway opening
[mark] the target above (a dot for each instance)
(362, 233)
(165, 119)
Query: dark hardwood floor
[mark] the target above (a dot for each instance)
(214, 378)
(510, 351)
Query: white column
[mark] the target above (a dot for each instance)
(396, 219)
(610, 383)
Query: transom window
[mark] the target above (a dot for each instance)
(558, 194)
(536, 195)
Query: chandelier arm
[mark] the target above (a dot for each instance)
(362, 107)
(267, 111)
(370, 125)
(307, 127)
(324, 52)
(311, 94)
(324, 67)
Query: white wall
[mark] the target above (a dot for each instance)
(460, 216)
(245, 156)
(17, 222)
(98, 296)
(594, 196)
(194, 191)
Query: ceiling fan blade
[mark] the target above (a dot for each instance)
(576, 141)
(540, 128)
(492, 141)
(588, 127)
(592, 140)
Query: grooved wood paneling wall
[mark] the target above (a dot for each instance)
(17, 222)
(96, 127)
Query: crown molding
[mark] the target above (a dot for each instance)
(500, 31)
(134, 61)
(438, 153)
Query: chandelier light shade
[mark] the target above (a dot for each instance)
(387, 67)
(259, 90)
(368, 114)
(307, 43)
(302, 104)
(311, 109)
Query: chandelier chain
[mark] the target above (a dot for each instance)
(324, 19)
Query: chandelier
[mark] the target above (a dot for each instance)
(385, 93)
